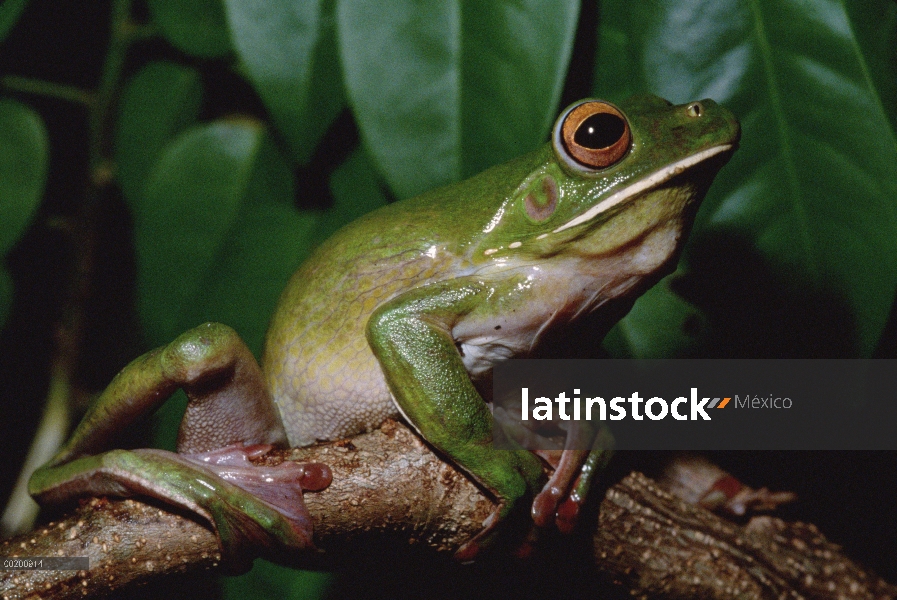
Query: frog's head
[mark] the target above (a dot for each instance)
(615, 179)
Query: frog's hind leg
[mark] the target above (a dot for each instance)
(230, 418)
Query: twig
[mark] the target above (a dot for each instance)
(388, 485)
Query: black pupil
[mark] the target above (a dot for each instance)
(599, 131)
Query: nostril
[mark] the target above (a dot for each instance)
(695, 109)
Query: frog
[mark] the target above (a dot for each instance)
(402, 314)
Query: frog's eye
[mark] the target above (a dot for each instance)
(594, 134)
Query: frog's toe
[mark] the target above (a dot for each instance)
(562, 487)
(568, 514)
(562, 510)
(560, 501)
(545, 506)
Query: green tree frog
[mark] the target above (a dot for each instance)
(402, 314)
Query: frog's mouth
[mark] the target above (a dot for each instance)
(654, 180)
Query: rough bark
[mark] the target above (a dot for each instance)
(388, 484)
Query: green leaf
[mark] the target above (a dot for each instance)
(158, 102)
(215, 232)
(814, 183)
(24, 155)
(273, 239)
(197, 27)
(263, 250)
(283, 48)
(682, 50)
(267, 580)
(10, 11)
(874, 24)
(616, 64)
(820, 159)
(442, 90)
(355, 191)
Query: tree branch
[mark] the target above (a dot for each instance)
(388, 484)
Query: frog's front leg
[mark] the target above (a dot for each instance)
(230, 418)
(411, 337)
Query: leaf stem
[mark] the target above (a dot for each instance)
(48, 89)
(100, 117)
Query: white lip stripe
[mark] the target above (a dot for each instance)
(653, 180)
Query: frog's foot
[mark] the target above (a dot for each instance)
(561, 500)
(730, 496)
(696, 480)
(518, 481)
(279, 486)
(555, 503)
(492, 532)
(248, 517)
(492, 528)
(256, 508)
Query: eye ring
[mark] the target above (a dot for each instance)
(592, 134)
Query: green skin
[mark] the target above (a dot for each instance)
(403, 313)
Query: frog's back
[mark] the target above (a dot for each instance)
(325, 379)
(320, 369)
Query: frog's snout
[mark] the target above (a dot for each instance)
(734, 129)
(709, 109)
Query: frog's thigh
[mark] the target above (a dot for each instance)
(228, 400)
